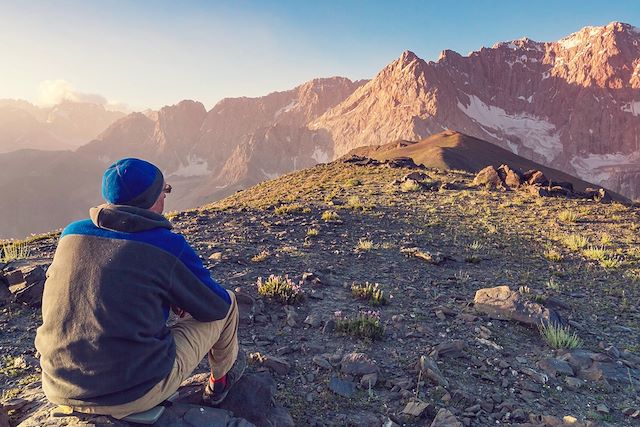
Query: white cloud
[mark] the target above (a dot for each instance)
(53, 92)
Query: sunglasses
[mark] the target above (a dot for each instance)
(167, 188)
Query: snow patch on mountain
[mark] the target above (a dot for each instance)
(291, 105)
(632, 107)
(598, 167)
(534, 132)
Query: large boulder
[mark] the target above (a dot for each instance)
(535, 177)
(501, 302)
(488, 177)
(30, 289)
(510, 177)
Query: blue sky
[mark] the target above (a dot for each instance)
(146, 54)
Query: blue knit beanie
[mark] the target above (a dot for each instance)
(132, 182)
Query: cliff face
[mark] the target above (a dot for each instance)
(573, 104)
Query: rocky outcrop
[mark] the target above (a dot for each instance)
(534, 181)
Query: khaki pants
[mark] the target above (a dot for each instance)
(218, 340)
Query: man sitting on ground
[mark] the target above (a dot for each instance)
(104, 344)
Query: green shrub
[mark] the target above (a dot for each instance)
(568, 216)
(606, 239)
(473, 259)
(559, 336)
(312, 232)
(595, 253)
(409, 186)
(552, 284)
(575, 242)
(354, 202)
(369, 291)
(365, 245)
(611, 262)
(365, 325)
(552, 255)
(476, 246)
(281, 289)
(353, 182)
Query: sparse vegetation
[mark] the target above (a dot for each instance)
(606, 239)
(289, 209)
(370, 292)
(353, 182)
(560, 336)
(280, 288)
(312, 232)
(575, 242)
(365, 325)
(409, 186)
(553, 255)
(568, 216)
(476, 245)
(11, 366)
(262, 256)
(611, 262)
(595, 253)
(473, 259)
(552, 284)
(365, 245)
(330, 216)
(14, 251)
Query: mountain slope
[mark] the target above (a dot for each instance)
(571, 105)
(483, 370)
(239, 142)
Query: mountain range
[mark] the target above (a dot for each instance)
(63, 126)
(572, 105)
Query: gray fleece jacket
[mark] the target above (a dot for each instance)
(104, 339)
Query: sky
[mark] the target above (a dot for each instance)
(147, 54)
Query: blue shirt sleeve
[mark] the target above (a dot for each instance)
(193, 262)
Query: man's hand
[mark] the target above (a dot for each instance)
(178, 311)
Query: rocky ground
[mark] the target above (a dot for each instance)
(448, 355)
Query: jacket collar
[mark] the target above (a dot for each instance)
(128, 219)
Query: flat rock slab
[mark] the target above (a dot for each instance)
(501, 302)
(252, 398)
(445, 418)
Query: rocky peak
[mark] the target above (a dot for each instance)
(187, 115)
(606, 56)
(408, 63)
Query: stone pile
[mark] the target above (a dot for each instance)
(506, 178)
